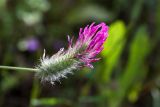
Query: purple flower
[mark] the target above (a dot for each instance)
(82, 53)
(32, 44)
(28, 44)
(90, 42)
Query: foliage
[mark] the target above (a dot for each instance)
(127, 74)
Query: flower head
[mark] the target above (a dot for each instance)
(90, 42)
(79, 54)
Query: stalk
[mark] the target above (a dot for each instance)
(18, 68)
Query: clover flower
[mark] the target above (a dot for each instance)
(78, 55)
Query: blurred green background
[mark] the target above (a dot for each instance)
(127, 76)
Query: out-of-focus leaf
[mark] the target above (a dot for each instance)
(138, 51)
(48, 102)
(113, 47)
(88, 13)
(135, 70)
(45, 101)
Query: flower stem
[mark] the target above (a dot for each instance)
(18, 68)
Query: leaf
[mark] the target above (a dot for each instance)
(113, 47)
(48, 102)
(45, 101)
(135, 70)
(138, 51)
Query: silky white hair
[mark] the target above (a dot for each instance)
(54, 68)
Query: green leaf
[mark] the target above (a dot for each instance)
(45, 101)
(113, 47)
(135, 70)
(138, 51)
(49, 102)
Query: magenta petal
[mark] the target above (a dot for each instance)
(94, 37)
(89, 65)
(95, 59)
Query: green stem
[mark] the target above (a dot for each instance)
(18, 68)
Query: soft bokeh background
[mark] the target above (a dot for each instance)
(127, 76)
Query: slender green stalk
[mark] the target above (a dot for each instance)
(18, 68)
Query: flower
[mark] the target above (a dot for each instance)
(28, 44)
(90, 42)
(32, 44)
(78, 55)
